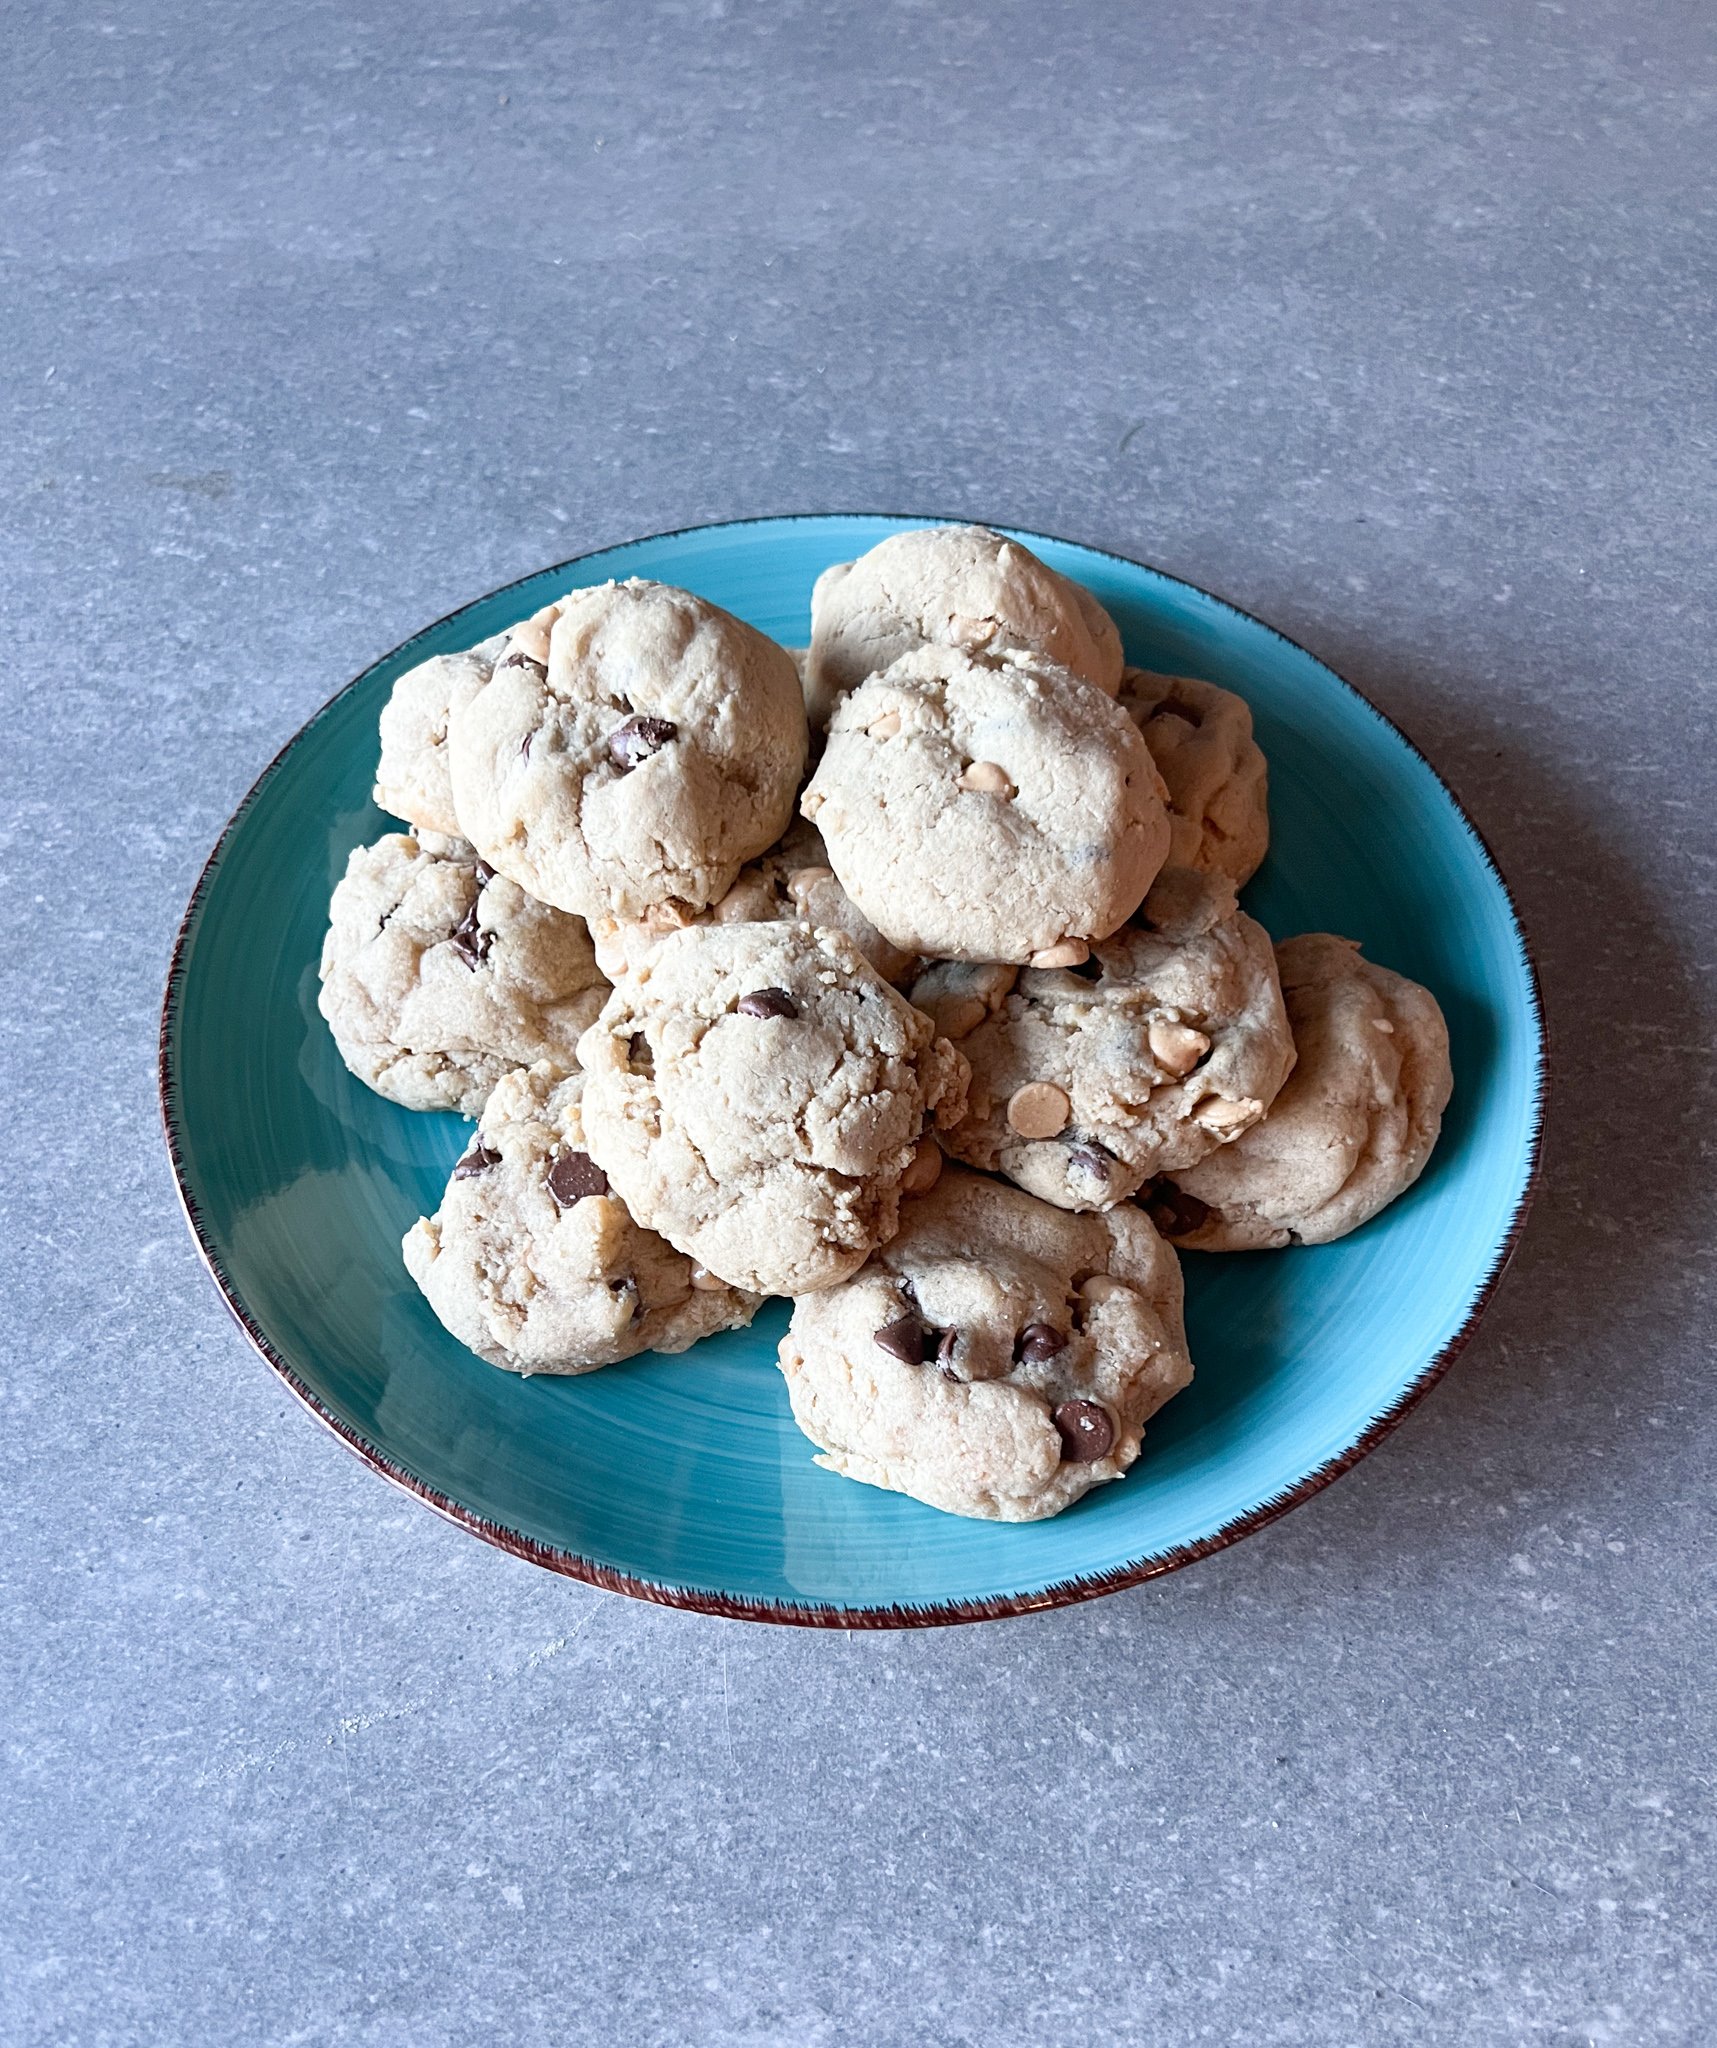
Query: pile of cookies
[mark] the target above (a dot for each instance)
(903, 976)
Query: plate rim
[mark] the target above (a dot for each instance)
(818, 1614)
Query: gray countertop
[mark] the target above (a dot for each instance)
(1393, 323)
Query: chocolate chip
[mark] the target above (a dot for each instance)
(1087, 1432)
(1174, 1212)
(470, 941)
(1038, 1341)
(573, 1176)
(903, 1339)
(767, 1002)
(638, 1054)
(520, 659)
(1091, 1158)
(478, 1160)
(637, 740)
(915, 1342)
(484, 873)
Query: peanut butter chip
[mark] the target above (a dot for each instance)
(1039, 1109)
(987, 776)
(885, 727)
(1217, 1113)
(1067, 953)
(925, 1169)
(802, 881)
(1177, 1048)
(1103, 1287)
(961, 1017)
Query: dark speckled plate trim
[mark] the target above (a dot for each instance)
(1066, 1592)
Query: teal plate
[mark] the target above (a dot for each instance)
(684, 1480)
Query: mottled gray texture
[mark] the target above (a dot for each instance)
(1392, 322)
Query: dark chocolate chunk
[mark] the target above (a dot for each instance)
(478, 1160)
(1087, 1432)
(638, 739)
(767, 1002)
(470, 941)
(485, 874)
(573, 1176)
(1038, 1341)
(1174, 1212)
(947, 1344)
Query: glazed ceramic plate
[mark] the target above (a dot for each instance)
(684, 1479)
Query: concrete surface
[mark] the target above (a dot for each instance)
(1394, 323)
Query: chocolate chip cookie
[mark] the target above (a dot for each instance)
(997, 1358)
(533, 1261)
(758, 1093)
(1200, 737)
(413, 781)
(1350, 1131)
(791, 883)
(987, 810)
(1144, 1053)
(439, 976)
(950, 586)
(633, 746)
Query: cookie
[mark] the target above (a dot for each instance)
(950, 586)
(413, 780)
(533, 1262)
(1218, 785)
(987, 810)
(792, 883)
(758, 1094)
(633, 747)
(997, 1358)
(1168, 1040)
(439, 976)
(1350, 1131)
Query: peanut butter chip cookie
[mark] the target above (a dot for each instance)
(1159, 1045)
(997, 1358)
(791, 883)
(950, 586)
(533, 1261)
(1350, 1131)
(413, 780)
(757, 1092)
(632, 748)
(987, 810)
(439, 976)
(1218, 786)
